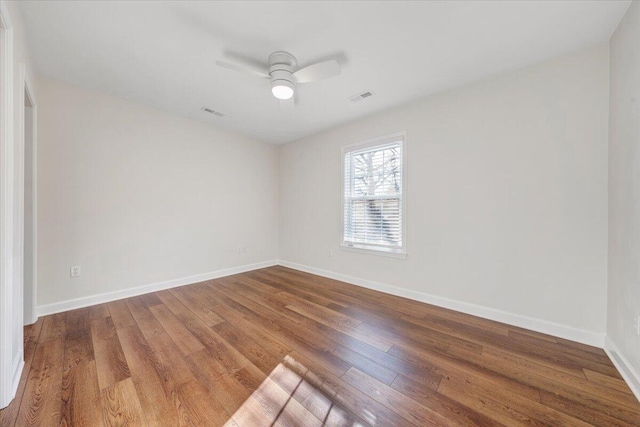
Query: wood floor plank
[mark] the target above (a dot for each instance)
(81, 397)
(428, 396)
(519, 333)
(120, 314)
(252, 413)
(336, 298)
(553, 359)
(514, 408)
(549, 379)
(448, 367)
(268, 341)
(303, 387)
(171, 366)
(296, 387)
(607, 381)
(334, 285)
(41, 402)
(186, 342)
(231, 423)
(282, 284)
(54, 327)
(121, 406)
(584, 413)
(202, 406)
(150, 299)
(80, 389)
(281, 347)
(277, 404)
(227, 355)
(409, 409)
(192, 300)
(217, 380)
(249, 348)
(146, 321)
(158, 398)
(99, 311)
(77, 322)
(584, 347)
(343, 393)
(399, 330)
(494, 408)
(620, 405)
(111, 364)
(325, 316)
(236, 388)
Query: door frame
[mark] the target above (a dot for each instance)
(30, 314)
(10, 366)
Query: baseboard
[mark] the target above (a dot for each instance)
(531, 323)
(73, 304)
(33, 320)
(628, 372)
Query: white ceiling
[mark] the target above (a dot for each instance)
(163, 53)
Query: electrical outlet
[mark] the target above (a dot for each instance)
(242, 249)
(329, 253)
(75, 271)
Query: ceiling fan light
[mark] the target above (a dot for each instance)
(282, 89)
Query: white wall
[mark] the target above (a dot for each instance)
(624, 192)
(507, 197)
(137, 196)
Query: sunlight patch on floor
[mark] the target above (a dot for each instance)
(293, 395)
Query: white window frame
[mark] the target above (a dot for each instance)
(366, 249)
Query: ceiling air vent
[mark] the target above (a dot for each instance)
(361, 96)
(210, 111)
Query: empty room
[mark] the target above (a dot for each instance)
(320, 213)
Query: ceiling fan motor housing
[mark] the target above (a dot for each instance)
(281, 66)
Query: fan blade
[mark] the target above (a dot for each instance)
(319, 71)
(289, 104)
(244, 69)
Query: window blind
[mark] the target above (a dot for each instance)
(373, 196)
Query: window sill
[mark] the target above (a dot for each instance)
(379, 252)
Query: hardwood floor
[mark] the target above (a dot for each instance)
(278, 347)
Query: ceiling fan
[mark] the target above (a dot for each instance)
(283, 72)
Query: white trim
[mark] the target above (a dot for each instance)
(381, 252)
(18, 365)
(626, 369)
(370, 142)
(73, 304)
(7, 373)
(531, 323)
(24, 82)
(18, 196)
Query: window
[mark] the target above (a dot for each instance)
(373, 195)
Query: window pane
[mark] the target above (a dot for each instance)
(375, 222)
(377, 172)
